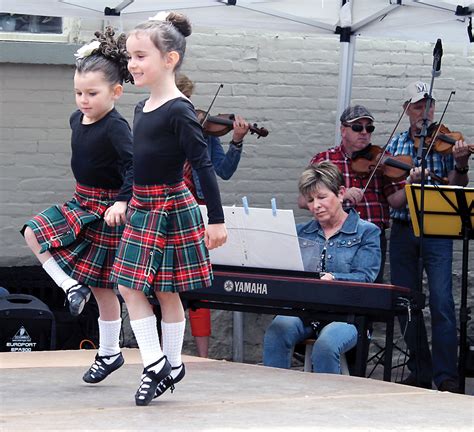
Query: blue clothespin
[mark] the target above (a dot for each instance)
(274, 206)
(245, 204)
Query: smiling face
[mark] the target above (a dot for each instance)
(146, 63)
(355, 141)
(95, 96)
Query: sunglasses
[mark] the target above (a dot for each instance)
(359, 128)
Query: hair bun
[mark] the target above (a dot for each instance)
(181, 22)
(114, 50)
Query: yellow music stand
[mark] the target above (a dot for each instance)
(448, 213)
(446, 208)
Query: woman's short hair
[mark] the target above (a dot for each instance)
(320, 174)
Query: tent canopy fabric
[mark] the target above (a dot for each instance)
(402, 19)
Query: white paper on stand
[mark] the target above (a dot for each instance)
(258, 239)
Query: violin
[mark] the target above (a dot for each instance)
(365, 161)
(223, 123)
(444, 139)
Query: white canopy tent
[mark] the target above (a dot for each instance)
(420, 20)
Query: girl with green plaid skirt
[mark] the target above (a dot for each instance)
(164, 247)
(76, 242)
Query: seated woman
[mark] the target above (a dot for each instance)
(339, 245)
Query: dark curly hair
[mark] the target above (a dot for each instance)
(168, 35)
(111, 58)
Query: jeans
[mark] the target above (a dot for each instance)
(437, 262)
(285, 332)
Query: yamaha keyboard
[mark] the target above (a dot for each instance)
(303, 294)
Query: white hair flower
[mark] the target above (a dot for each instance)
(160, 16)
(87, 50)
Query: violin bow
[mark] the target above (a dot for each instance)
(212, 103)
(453, 92)
(383, 150)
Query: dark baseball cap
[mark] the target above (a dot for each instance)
(356, 112)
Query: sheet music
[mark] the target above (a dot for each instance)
(258, 239)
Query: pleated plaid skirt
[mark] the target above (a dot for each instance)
(77, 236)
(162, 247)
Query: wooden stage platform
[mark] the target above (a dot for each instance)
(45, 391)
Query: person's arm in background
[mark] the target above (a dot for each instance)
(225, 164)
(461, 153)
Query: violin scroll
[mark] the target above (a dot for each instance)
(260, 131)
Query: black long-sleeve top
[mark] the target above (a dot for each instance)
(163, 139)
(102, 153)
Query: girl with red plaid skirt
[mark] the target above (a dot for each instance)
(76, 242)
(164, 247)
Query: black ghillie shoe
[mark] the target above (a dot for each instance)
(77, 296)
(181, 373)
(176, 379)
(154, 384)
(102, 367)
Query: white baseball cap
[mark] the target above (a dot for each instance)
(417, 91)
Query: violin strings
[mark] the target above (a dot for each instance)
(440, 124)
(383, 150)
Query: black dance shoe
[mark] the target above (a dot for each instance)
(102, 367)
(77, 296)
(176, 379)
(181, 373)
(154, 384)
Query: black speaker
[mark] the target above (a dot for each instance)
(26, 324)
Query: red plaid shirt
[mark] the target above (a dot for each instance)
(374, 205)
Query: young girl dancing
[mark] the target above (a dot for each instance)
(164, 247)
(76, 242)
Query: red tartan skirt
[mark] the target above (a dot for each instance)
(77, 236)
(162, 246)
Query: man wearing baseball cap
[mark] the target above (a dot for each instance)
(357, 126)
(441, 367)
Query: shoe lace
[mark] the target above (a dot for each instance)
(144, 386)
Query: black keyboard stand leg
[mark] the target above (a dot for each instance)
(387, 370)
(362, 348)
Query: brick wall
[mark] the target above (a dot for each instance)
(286, 83)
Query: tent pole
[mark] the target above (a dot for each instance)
(346, 66)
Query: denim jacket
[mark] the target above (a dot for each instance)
(352, 254)
(225, 164)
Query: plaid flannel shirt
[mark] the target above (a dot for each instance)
(374, 205)
(402, 144)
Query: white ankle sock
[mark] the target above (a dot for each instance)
(109, 337)
(173, 336)
(146, 334)
(58, 275)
